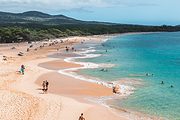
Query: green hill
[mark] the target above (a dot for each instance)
(41, 18)
(34, 25)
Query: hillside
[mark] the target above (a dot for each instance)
(34, 25)
(41, 18)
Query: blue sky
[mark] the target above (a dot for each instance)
(152, 12)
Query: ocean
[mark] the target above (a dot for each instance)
(149, 58)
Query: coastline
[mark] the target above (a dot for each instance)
(60, 105)
(98, 98)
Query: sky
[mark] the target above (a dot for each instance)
(146, 12)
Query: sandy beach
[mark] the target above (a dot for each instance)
(21, 97)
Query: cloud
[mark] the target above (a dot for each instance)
(132, 3)
(82, 9)
(66, 5)
(50, 5)
(61, 3)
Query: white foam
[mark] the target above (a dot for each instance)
(104, 65)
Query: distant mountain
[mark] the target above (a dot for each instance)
(42, 18)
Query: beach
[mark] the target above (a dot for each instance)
(21, 96)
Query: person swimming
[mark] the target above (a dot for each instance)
(162, 82)
(171, 86)
(104, 70)
(148, 74)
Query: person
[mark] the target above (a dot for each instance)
(171, 86)
(67, 49)
(162, 82)
(46, 85)
(43, 85)
(81, 117)
(22, 69)
(116, 89)
(4, 58)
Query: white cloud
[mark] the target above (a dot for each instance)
(58, 5)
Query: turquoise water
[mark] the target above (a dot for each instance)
(138, 54)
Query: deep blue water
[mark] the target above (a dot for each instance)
(138, 54)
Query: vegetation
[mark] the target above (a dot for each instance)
(35, 26)
(21, 34)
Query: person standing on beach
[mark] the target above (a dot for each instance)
(46, 85)
(43, 85)
(81, 117)
(22, 69)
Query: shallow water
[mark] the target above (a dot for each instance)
(134, 56)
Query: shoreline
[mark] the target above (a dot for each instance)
(71, 72)
(49, 106)
(124, 89)
(91, 98)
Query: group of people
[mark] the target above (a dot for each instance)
(45, 85)
(147, 74)
(67, 49)
(162, 83)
